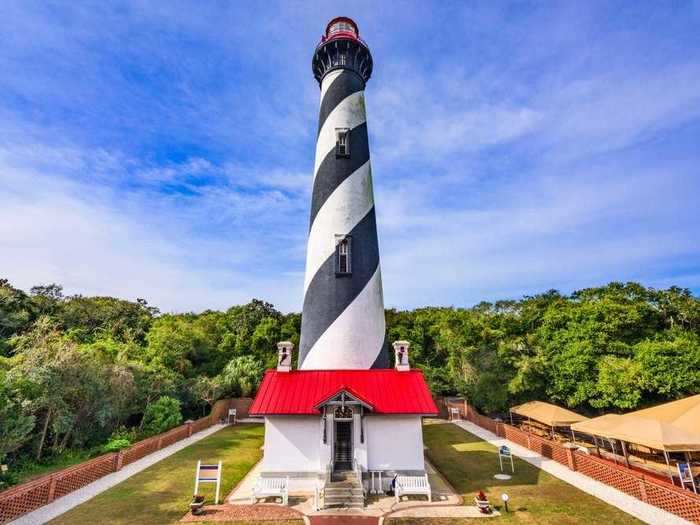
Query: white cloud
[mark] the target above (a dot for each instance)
(97, 243)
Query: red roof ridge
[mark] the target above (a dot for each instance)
(343, 388)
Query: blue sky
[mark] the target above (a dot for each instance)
(164, 149)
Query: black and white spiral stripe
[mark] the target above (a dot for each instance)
(343, 324)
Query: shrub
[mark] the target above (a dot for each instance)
(115, 445)
(162, 415)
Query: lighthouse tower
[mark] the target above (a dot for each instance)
(343, 325)
(344, 410)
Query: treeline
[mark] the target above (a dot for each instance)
(95, 373)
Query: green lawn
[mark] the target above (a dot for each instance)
(535, 497)
(161, 493)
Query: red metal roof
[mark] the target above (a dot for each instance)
(387, 391)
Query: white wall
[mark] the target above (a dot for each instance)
(292, 444)
(394, 442)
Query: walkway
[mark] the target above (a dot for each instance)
(640, 510)
(340, 520)
(67, 502)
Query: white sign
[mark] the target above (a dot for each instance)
(208, 474)
(504, 452)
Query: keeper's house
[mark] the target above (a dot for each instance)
(323, 421)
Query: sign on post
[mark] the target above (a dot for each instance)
(686, 476)
(208, 474)
(454, 414)
(232, 415)
(504, 452)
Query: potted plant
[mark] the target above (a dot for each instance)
(197, 505)
(482, 502)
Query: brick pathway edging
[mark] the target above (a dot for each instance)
(83, 494)
(629, 504)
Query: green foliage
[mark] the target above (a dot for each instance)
(162, 415)
(115, 445)
(15, 416)
(241, 376)
(670, 363)
(77, 372)
(619, 383)
(617, 347)
(16, 314)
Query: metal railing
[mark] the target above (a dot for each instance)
(357, 468)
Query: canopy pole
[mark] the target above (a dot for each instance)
(573, 435)
(511, 417)
(597, 448)
(612, 445)
(668, 464)
(624, 452)
(688, 459)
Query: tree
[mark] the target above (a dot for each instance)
(162, 415)
(669, 365)
(241, 376)
(619, 383)
(208, 389)
(16, 314)
(16, 421)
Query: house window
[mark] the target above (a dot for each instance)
(342, 142)
(343, 250)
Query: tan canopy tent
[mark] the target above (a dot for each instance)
(653, 433)
(683, 414)
(550, 415)
(596, 426)
(672, 427)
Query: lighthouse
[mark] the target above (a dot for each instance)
(343, 324)
(343, 416)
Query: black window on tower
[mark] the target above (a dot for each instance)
(342, 142)
(343, 252)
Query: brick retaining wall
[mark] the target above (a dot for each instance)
(29, 496)
(668, 497)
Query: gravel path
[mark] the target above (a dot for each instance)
(640, 510)
(67, 502)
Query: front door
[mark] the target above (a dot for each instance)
(342, 459)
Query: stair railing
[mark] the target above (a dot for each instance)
(320, 492)
(357, 468)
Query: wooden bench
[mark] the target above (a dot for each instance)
(271, 487)
(412, 485)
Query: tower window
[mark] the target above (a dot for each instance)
(343, 251)
(342, 142)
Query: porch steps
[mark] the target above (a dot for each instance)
(344, 491)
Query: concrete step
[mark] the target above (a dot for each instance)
(338, 507)
(343, 486)
(344, 493)
(344, 503)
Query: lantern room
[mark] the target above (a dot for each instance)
(341, 27)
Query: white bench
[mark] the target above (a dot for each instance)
(271, 487)
(412, 485)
